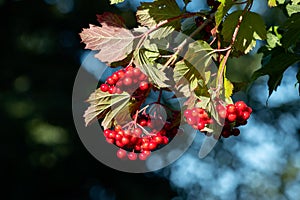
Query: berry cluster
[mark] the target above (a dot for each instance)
(206, 33)
(135, 142)
(126, 80)
(235, 115)
(197, 118)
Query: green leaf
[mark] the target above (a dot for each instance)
(240, 70)
(162, 32)
(281, 1)
(100, 104)
(291, 9)
(228, 86)
(116, 1)
(145, 60)
(279, 61)
(292, 28)
(251, 28)
(272, 3)
(114, 43)
(151, 13)
(222, 10)
(194, 66)
(119, 106)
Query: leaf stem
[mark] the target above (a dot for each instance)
(224, 60)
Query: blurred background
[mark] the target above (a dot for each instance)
(43, 157)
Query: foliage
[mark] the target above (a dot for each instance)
(194, 65)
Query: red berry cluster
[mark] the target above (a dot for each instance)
(126, 80)
(134, 142)
(235, 115)
(197, 118)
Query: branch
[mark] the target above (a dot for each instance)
(235, 33)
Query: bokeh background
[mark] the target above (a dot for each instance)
(43, 157)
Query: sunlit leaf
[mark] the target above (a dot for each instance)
(251, 28)
(272, 3)
(195, 63)
(144, 59)
(222, 10)
(161, 32)
(151, 13)
(291, 9)
(114, 43)
(100, 104)
(116, 1)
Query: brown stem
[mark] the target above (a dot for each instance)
(235, 33)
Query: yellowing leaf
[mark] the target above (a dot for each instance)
(272, 3)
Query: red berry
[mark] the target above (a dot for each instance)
(226, 133)
(118, 137)
(245, 115)
(132, 156)
(104, 87)
(143, 156)
(240, 105)
(129, 73)
(111, 135)
(111, 141)
(138, 131)
(115, 77)
(143, 122)
(152, 146)
(235, 131)
(191, 120)
(187, 113)
(121, 153)
(200, 125)
(230, 108)
(143, 85)
(111, 90)
(158, 139)
(120, 73)
(136, 72)
(125, 140)
(110, 81)
(165, 140)
(146, 152)
(231, 117)
(127, 81)
(222, 114)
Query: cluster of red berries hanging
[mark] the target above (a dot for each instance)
(138, 140)
(235, 115)
(197, 118)
(130, 80)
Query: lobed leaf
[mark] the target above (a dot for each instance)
(151, 13)
(278, 61)
(145, 60)
(112, 40)
(194, 65)
(251, 28)
(292, 34)
(222, 10)
(100, 104)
